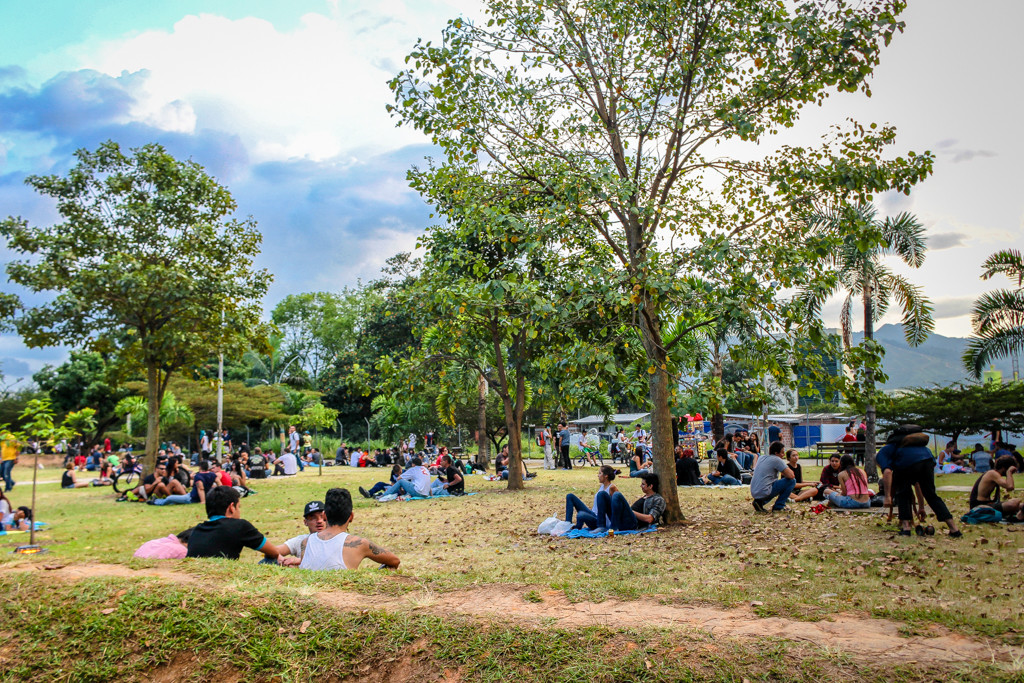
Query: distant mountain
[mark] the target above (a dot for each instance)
(937, 361)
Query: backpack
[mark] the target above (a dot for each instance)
(540, 439)
(982, 514)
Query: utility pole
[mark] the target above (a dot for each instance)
(220, 398)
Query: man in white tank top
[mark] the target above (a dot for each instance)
(334, 547)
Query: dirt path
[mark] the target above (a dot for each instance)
(856, 635)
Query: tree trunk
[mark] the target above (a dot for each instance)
(483, 445)
(152, 416)
(661, 419)
(718, 420)
(514, 426)
(870, 466)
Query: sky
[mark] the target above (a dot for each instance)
(284, 103)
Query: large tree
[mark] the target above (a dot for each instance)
(638, 122)
(146, 264)
(998, 316)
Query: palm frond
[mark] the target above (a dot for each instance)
(1009, 262)
(983, 350)
(998, 310)
(846, 321)
(917, 310)
(905, 237)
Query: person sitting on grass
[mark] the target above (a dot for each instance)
(816, 490)
(587, 516)
(640, 464)
(202, 485)
(334, 547)
(764, 486)
(315, 519)
(453, 482)
(646, 511)
(380, 487)
(687, 469)
(18, 520)
(170, 547)
(989, 486)
(106, 477)
(728, 472)
(854, 493)
(68, 479)
(225, 533)
(415, 481)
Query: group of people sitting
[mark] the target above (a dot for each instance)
(328, 545)
(415, 480)
(611, 510)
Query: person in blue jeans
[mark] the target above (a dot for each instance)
(728, 472)
(587, 516)
(204, 482)
(644, 512)
(764, 487)
(380, 487)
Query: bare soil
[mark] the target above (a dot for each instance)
(855, 634)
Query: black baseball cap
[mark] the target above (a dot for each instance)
(311, 507)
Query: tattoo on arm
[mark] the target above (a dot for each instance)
(353, 542)
(376, 549)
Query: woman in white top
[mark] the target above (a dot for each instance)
(587, 516)
(334, 547)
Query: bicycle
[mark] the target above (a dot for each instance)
(589, 455)
(126, 480)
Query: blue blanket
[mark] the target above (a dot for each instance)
(393, 496)
(39, 525)
(587, 533)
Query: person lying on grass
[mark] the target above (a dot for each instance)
(728, 472)
(587, 516)
(334, 547)
(170, 547)
(647, 510)
(225, 533)
(315, 519)
(18, 520)
(816, 490)
(854, 493)
(68, 479)
(986, 491)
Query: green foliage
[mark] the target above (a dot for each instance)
(86, 380)
(316, 415)
(172, 411)
(998, 316)
(317, 326)
(605, 124)
(957, 409)
(145, 263)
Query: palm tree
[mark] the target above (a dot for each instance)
(998, 317)
(172, 411)
(862, 273)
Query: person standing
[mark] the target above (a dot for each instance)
(563, 446)
(774, 433)
(906, 453)
(545, 442)
(8, 459)
(293, 439)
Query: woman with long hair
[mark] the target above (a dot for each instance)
(853, 483)
(587, 516)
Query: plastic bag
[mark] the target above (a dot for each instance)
(548, 525)
(562, 528)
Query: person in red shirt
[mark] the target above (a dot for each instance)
(849, 436)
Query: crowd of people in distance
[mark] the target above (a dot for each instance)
(328, 545)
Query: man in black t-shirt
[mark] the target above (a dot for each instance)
(225, 533)
(454, 483)
(257, 464)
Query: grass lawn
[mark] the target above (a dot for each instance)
(733, 595)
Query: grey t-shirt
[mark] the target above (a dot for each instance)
(764, 475)
(563, 438)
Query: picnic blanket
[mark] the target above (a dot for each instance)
(716, 486)
(395, 496)
(39, 526)
(587, 533)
